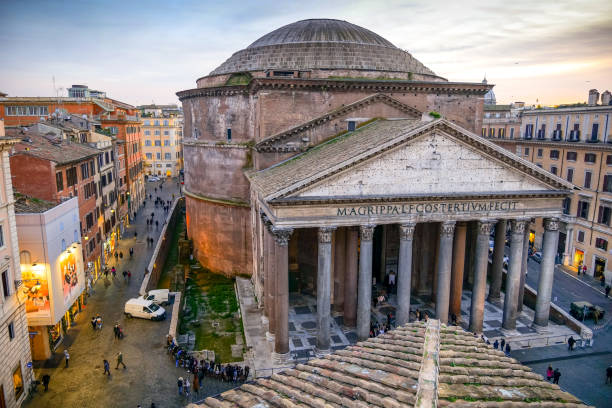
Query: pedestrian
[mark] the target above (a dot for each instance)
(116, 256)
(120, 361)
(93, 322)
(508, 349)
(549, 373)
(196, 384)
(105, 273)
(131, 252)
(135, 234)
(156, 225)
(584, 269)
(496, 344)
(116, 330)
(503, 344)
(608, 291)
(124, 275)
(45, 380)
(180, 385)
(121, 255)
(107, 368)
(99, 322)
(66, 356)
(556, 376)
(417, 314)
(570, 343)
(129, 276)
(187, 387)
(134, 214)
(602, 281)
(609, 375)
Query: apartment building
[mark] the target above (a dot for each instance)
(502, 121)
(15, 374)
(162, 139)
(574, 142)
(51, 167)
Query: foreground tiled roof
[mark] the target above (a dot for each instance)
(51, 148)
(416, 365)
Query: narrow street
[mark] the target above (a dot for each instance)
(150, 375)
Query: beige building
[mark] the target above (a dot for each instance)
(575, 143)
(15, 375)
(162, 141)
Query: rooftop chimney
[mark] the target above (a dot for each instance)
(593, 97)
(606, 98)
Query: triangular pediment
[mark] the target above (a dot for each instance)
(315, 131)
(434, 163)
(404, 158)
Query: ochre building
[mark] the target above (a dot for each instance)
(322, 157)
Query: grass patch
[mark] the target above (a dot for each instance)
(172, 258)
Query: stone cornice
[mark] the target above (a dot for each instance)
(557, 143)
(269, 144)
(217, 144)
(221, 201)
(369, 85)
(425, 197)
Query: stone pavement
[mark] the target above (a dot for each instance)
(150, 375)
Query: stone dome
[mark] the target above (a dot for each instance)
(323, 44)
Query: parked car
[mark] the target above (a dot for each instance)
(578, 309)
(145, 309)
(157, 296)
(153, 178)
(537, 256)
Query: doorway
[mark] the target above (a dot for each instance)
(600, 267)
(578, 258)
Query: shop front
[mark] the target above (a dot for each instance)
(578, 258)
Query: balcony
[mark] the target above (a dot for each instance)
(556, 135)
(593, 139)
(574, 136)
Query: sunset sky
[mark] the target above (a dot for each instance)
(546, 51)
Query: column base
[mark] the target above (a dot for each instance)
(281, 358)
(264, 320)
(509, 332)
(348, 328)
(270, 337)
(321, 353)
(495, 300)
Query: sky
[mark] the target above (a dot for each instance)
(540, 52)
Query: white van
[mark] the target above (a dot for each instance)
(145, 309)
(157, 296)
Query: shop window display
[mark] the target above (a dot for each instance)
(36, 288)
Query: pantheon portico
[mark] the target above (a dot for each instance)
(441, 188)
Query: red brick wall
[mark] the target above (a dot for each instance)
(34, 177)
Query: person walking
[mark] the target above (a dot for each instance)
(131, 253)
(570, 343)
(129, 276)
(608, 291)
(187, 387)
(549, 373)
(120, 361)
(609, 375)
(45, 380)
(508, 349)
(196, 385)
(180, 385)
(107, 368)
(120, 254)
(496, 344)
(556, 376)
(503, 344)
(66, 357)
(93, 322)
(125, 275)
(116, 330)
(98, 322)
(156, 225)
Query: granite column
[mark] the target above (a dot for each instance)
(445, 259)
(364, 301)
(545, 281)
(324, 289)
(479, 287)
(513, 277)
(404, 279)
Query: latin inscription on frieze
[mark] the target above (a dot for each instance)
(428, 208)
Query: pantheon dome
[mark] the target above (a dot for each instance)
(328, 48)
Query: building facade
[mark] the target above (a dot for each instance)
(502, 121)
(162, 143)
(313, 162)
(52, 269)
(50, 167)
(575, 143)
(15, 375)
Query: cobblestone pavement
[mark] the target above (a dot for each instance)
(150, 375)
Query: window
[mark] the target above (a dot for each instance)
(229, 135)
(59, 180)
(595, 132)
(89, 220)
(157, 133)
(567, 204)
(25, 258)
(511, 133)
(607, 183)
(166, 132)
(540, 152)
(528, 131)
(554, 154)
(6, 288)
(11, 330)
(26, 110)
(147, 123)
(149, 156)
(518, 150)
(542, 132)
(583, 209)
(602, 244)
(570, 175)
(1, 235)
(17, 382)
(526, 151)
(491, 132)
(501, 133)
(553, 170)
(158, 156)
(166, 142)
(556, 135)
(165, 123)
(158, 143)
(572, 156)
(157, 123)
(483, 132)
(603, 215)
(147, 133)
(147, 142)
(84, 171)
(167, 156)
(63, 244)
(580, 237)
(71, 176)
(589, 157)
(587, 179)
(92, 167)
(609, 160)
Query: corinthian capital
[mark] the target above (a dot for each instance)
(281, 235)
(366, 232)
(485, 226)
(518, 226)
(325, 234)
(551, 224)
(447, 228)
(407, 231)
